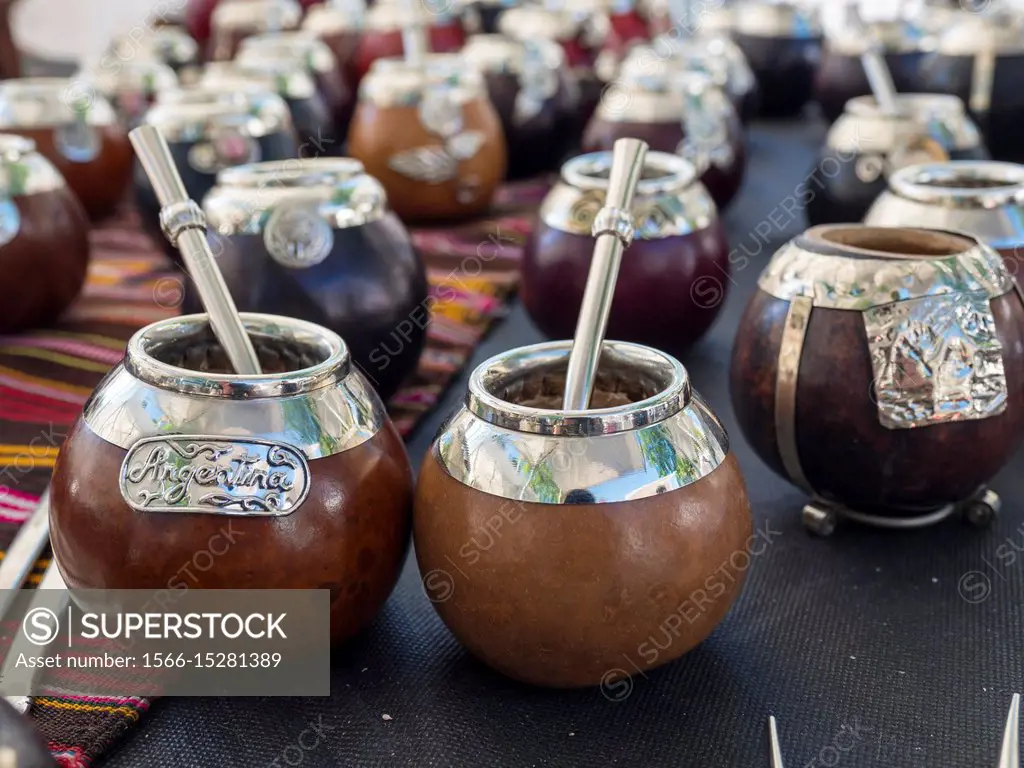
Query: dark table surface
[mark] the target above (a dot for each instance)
(862, 645)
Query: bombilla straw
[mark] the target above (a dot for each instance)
(1009, 757)
(880, 78)
(875, 67)
(184, 225)
(414, 37)
(613, 228)
(773, 744)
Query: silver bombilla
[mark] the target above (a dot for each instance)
(184, 225)
(613, 228)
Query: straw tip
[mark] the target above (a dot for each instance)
(773, 742)
(1009, 757)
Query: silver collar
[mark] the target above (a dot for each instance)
(288, 46)
(321, 410)
(961, 184)
(338, 190)
(48, 102)
(23, 171)
(665, 438)
(853, 267)
(669, 200)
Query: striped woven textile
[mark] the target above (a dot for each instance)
(46, 376)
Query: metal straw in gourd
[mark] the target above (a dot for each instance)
(184, 225)
(613, 228)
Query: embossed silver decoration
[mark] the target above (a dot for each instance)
(214, 475)
(936, 359)
(705, 130)
(982, 198)
(869, 168)
(77, 141)
(538, 79)
(669, 201)
(667, 441)
(23, 171)
(319, 411)
(296, 235)
(840, 282)
(440, 114)
(10, 221)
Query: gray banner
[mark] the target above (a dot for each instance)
(168, 643)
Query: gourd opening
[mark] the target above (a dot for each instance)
(893, 242)
(184, 355)
(522, 390)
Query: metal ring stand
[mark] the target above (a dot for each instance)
(821, 517)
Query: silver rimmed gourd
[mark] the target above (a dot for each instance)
(980, 58)
(638, 495)
(208, 130)
(865, 146)
(171, 448)
(44, 238)
(319, 61)
(678, 260)
(675, 111)
(75, 128)
(292, 81)
(130, 86)
(872, 361)
(782, 42)
(841, 77)
(314, 239)
(614, 479)
(532, 95)
(984, 199)
(429, 133)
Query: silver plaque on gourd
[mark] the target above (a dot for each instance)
(935, 359)
(78, 142)
(705, 134)
(214, 475)
(296, 236)
(538, 83)
(441, 115)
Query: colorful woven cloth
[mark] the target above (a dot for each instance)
(47, 375)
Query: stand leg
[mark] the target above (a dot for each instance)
(819, 517)
(982, 508)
